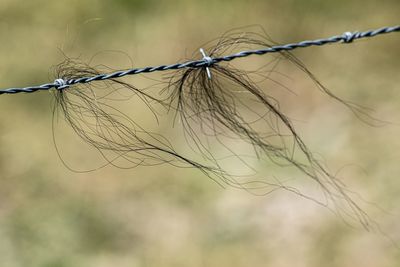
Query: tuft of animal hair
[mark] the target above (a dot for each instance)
(225, 108)
(92, 112)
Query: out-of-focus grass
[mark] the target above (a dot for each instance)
(163, 216)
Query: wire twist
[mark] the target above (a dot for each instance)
(206, 61)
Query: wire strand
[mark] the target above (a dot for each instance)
(206, 62)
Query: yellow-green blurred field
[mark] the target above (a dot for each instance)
(164, 216)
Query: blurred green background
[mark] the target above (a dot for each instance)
(163, 216)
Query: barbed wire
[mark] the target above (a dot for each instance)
(206, 61)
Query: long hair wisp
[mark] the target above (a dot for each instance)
(216, 104)
(224, 102)
(92, 112)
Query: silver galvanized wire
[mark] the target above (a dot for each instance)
(206, 61)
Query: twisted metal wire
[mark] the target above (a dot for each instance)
(346, 38)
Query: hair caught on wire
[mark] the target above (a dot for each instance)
(212, 99)
(223, 102)
(91, 112)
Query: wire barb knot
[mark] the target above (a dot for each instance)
(208, 60)
(348, 37)
(60, 84)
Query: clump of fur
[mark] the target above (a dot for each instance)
(220, 106)
(205, 108)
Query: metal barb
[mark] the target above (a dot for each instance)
(348, 37)
(208, 60)
(60, 84)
